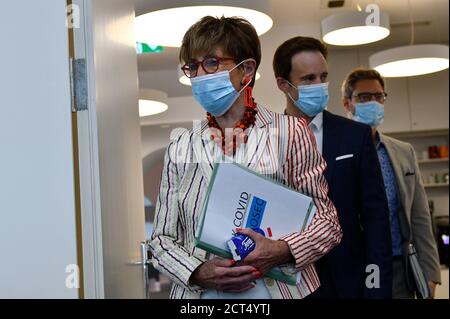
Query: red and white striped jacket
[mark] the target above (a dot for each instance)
(280, 147)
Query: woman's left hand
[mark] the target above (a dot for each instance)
(267, 254)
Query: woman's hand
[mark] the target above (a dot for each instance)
(267, 253)
(220, 274)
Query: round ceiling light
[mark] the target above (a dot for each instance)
(184, 79)
(410, 60)
(354, 28)
(152, 102)
(167, 21)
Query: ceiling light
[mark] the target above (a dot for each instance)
(410, 60)
(354, 28)
(167, 21)
(186, 81)
(152, 102)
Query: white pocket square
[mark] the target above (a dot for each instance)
(344, 157)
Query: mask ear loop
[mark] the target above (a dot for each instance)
(289, 94)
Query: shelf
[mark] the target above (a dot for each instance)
(416, 134)
(437, 185)
(433, 160)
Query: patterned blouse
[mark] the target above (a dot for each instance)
(280, 147)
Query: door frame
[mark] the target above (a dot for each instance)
(88, 157)
(96, 41)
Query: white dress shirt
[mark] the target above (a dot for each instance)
(316, 126)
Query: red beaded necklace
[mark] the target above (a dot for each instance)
(239, 130)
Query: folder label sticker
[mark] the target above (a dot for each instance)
(256, 213)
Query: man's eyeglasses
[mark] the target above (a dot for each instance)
(367, 96)
(209, 65)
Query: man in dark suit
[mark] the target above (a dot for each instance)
(361, 266)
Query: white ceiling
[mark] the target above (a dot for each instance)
(298, 12)
(301, 17)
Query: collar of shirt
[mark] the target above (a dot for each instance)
(378, 140)
(317, 123)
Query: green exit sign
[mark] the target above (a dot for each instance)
(145, 48)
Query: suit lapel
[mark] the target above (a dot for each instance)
(330, 144)
(257, 140)
(204, 149)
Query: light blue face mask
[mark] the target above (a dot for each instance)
(370, 113)
(312, 99)
(215, 92)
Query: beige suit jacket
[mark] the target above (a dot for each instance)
(414, 215)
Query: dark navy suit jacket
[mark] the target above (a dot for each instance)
(357, 190)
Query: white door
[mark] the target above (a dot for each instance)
(112, 195)
(37, 203)
(42, 234)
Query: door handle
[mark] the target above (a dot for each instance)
(144, 253)
(144, 260)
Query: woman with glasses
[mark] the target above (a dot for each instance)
(221, 56)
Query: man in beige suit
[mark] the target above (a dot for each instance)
(363, 96)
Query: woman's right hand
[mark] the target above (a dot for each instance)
(219, 274)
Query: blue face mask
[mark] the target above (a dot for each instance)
(312, 99)
(215, 92)
(370, 113)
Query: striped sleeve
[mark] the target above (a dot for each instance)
(304, 168)
(168, 254)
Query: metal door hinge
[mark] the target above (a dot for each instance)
(78, 84)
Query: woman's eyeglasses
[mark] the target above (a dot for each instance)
(367, 96)
(209, 65)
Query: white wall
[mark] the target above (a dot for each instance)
(37, 205)
(428, 99)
